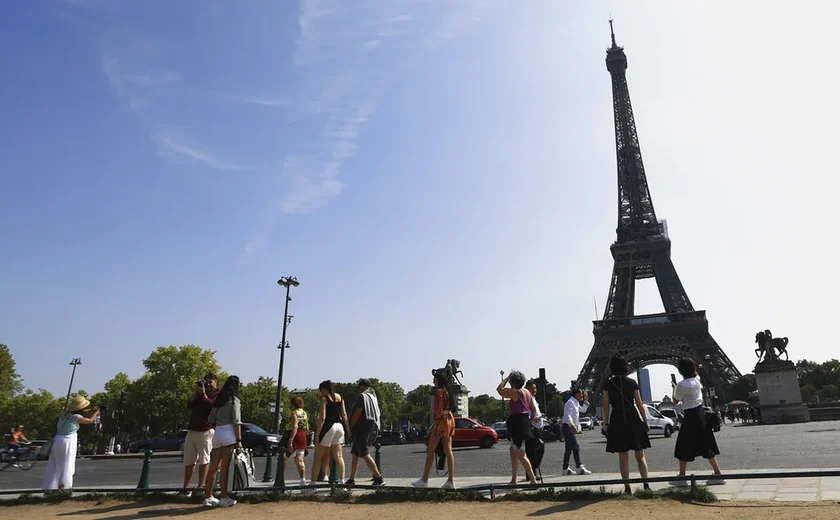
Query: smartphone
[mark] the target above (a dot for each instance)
(673, 379)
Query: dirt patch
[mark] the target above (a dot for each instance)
(654, 509)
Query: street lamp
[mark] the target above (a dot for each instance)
(288, 282)
(75, 362)
(502, 374)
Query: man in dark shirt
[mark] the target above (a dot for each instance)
(199, 441)
(363, 419)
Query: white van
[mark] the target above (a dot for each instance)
(659, 424)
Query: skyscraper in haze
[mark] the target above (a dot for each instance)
(644, 385)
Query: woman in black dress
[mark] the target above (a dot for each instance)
(627, 427)
(696, 438)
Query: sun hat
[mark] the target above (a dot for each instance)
(77, 403)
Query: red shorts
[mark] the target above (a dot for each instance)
(299, 443)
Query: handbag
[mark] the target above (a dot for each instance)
(243, 469)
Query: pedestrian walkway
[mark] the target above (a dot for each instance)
(780, 489)
(763, 489)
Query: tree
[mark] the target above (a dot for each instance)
(171, 375)
(550, 389)
(741, 389)
(37, 411)
(257, 399)
(484, 408)
(416, 406)
(10, 382)
(829, 393)
(808, 392)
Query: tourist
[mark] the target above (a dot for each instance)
(538, 420)
(696, 437)
(62, 463)
(442, 432)
(571, 428)
(363, 420)
(198, 443)
(296, 437)
(522, 408)
(626, 426)
(226, 415)
(330, 430)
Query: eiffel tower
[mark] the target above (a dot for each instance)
(643, 250)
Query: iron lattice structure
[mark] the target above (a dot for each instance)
(643, 250)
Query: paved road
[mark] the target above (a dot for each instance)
(811, 445)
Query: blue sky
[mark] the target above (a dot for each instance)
(440, 176)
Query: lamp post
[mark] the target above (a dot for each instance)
(502, 374)
(288, 282)
(75, 362)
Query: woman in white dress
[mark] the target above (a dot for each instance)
(62, 463)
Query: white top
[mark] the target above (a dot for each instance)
(538, 421)
(571, 412)
(689, 392)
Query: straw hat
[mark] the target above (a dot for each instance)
(77, 403)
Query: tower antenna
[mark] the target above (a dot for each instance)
(612, 33)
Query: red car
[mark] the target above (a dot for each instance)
(470, 433)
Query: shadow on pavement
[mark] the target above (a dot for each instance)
(151, 512)
(561, 508)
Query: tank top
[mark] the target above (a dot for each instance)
(520, 406)
(303, 420)
(333, 415)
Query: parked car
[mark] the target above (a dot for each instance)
(659, 424)
(672, 414)
(469, 433)
(586, 423)
(387, 438)
(259, 440)
(501, 429)
(170, 441)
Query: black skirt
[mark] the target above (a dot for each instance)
(626, 432)
(519, 429)
(695, 438)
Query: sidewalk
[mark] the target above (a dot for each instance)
(773, 489)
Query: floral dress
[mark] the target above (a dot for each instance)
(444, 421)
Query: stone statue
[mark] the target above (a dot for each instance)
(768, 345)
(451, 370)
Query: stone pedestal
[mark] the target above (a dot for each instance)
(462, 405)
(778, 393)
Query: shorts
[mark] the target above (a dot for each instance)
(197, 448)
(224, 436)
(299, 444)
(333, 437)
(361, 437)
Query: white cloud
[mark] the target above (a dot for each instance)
(170, 145)
(335, 42)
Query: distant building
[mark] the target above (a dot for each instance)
(644, 385)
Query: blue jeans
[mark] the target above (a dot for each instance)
(572, 446)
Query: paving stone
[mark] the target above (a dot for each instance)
(758, 487)
(796, 497)
(797, 489)
(756, 495)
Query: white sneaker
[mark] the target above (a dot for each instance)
(448, 485)
(303, 482)
(567, 471)
(715, 482)
(227, 502)
(420, 483)
(679, 483)
(583, 471)
(341, 482)
(211, 502)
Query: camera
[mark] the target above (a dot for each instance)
(200, 383)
